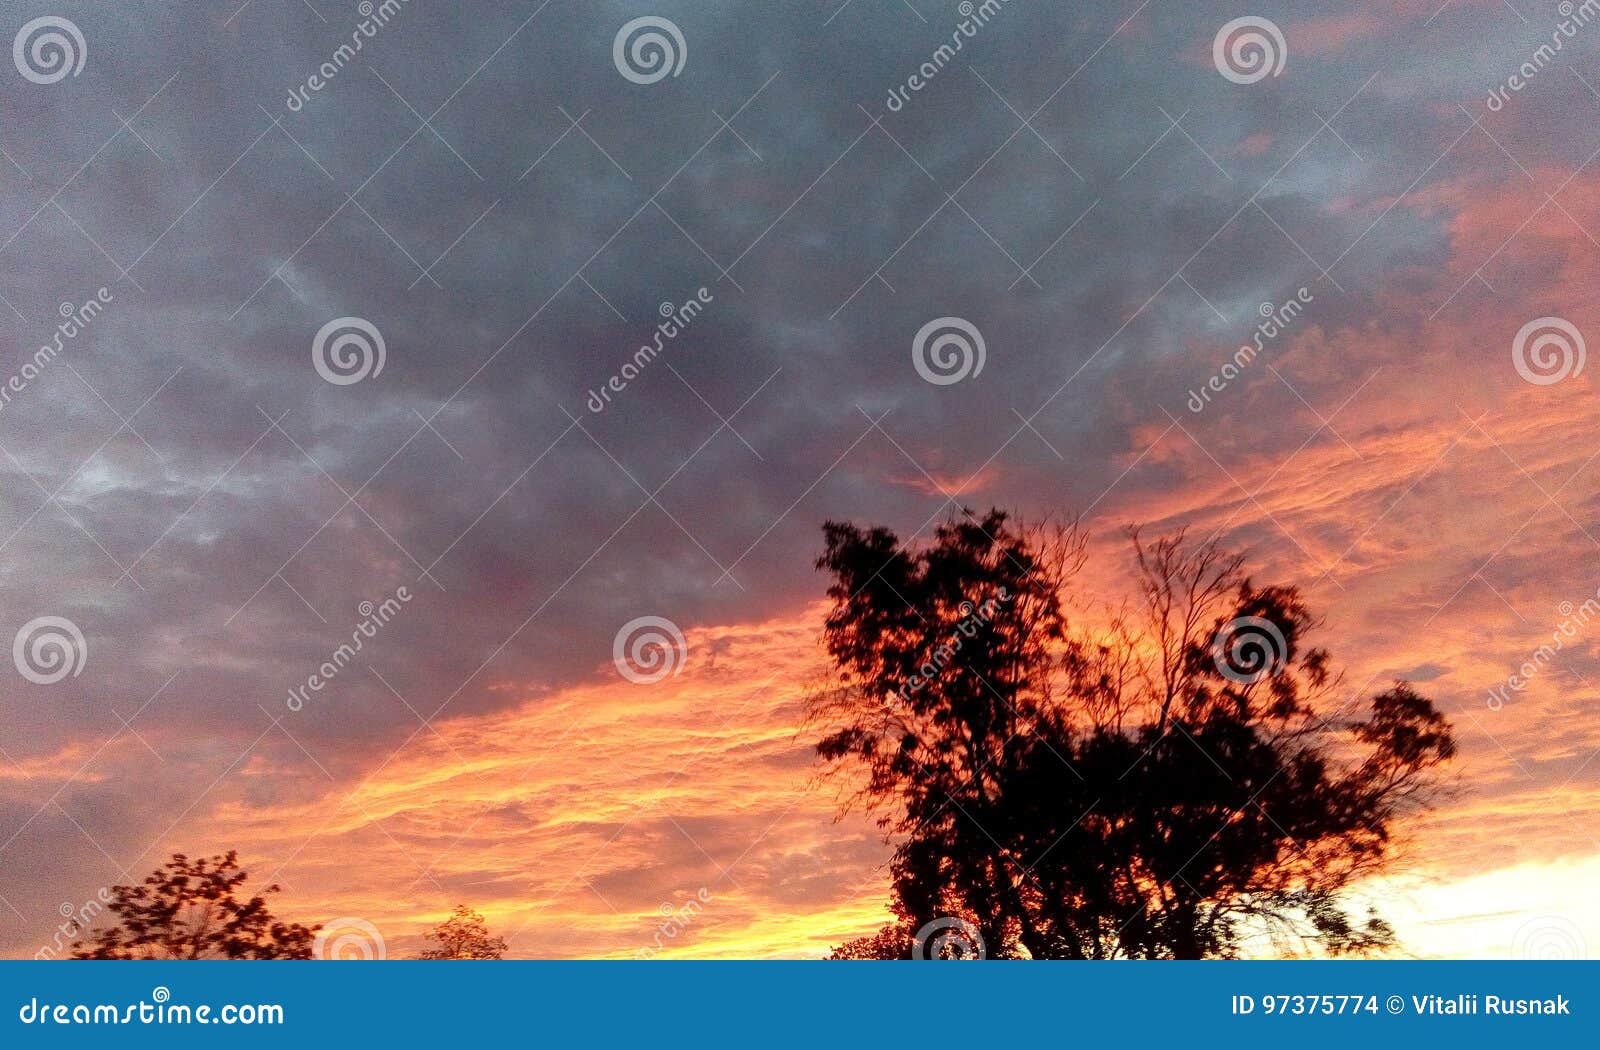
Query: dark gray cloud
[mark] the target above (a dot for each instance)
(220, 512)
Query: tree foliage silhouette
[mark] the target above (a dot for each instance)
(192, 909)
(891, 942)
(464, 935)
(1174, 779)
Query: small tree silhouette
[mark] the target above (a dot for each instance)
(464, 935)
(1173, 785)
(191, 909)
(891, 942)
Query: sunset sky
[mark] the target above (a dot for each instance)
(514, 213)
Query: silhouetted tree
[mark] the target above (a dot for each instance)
(464, 935)
(1172, 785)
(891, 942)
(191, 909)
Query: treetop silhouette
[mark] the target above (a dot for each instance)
(1175, 779)
(192, 909)
(465, 935)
